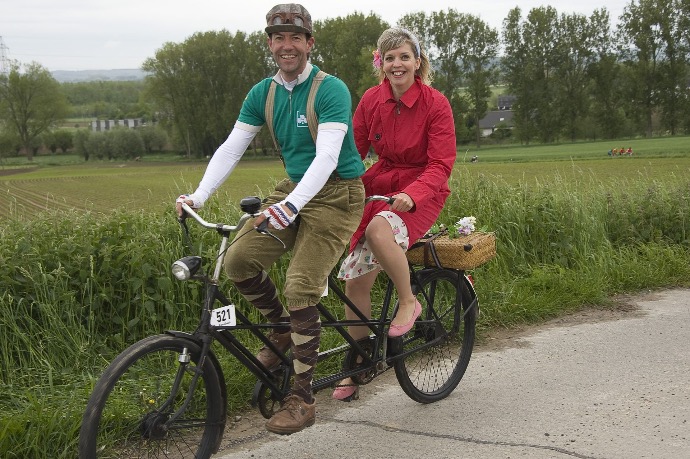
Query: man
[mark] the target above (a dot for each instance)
(324, 189)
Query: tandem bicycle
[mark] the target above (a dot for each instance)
(166, 396)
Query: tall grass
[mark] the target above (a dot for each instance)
(79, 287)
(563, 244)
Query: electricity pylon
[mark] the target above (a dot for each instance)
(4, 60)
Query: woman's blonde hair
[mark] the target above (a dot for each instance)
(394, 38)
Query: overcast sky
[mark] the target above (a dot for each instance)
(121, 34)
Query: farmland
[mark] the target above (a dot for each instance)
(65, 183)
(86, 251)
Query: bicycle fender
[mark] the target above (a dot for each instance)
(473, 300)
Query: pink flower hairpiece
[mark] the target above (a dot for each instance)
(377, 59)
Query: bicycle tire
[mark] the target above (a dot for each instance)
(431, 374)
(125, 414)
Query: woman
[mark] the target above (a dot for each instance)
(410, 127)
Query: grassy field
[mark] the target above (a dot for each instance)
(65, 182)
(91, 272)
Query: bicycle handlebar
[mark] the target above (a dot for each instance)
(378, 197)
(263, 227)
(217, 226)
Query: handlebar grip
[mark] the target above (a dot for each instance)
(377, 197)
(185, 214)
(263, 226)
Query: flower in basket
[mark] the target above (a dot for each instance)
(465, 226)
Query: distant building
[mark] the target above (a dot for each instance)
(501, 118)
(106, 125)
(495, 119)
(505, 102)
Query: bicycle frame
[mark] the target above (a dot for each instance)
(169, 391)
(206, 333)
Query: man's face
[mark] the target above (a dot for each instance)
(290, 52)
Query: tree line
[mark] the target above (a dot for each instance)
(573, 76)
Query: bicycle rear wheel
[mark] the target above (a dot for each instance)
(130, 411)
(432, 373)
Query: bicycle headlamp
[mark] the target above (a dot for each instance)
(185, 268)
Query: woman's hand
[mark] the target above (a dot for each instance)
(403, 202)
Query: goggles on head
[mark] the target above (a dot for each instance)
(286, 18)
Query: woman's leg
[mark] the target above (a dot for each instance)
(358, 290)
(393, 260)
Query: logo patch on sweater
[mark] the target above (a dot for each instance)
(301, 120)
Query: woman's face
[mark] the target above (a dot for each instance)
(400, 65)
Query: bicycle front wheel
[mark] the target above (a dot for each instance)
(155, 401)
(444, 344)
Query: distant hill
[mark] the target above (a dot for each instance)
(71, 76)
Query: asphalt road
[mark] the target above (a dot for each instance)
(600, 384)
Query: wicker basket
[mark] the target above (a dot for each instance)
(462, 252)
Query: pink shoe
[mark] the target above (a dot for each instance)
(346, 393)
(398, 330)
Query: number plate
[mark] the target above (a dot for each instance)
(224, 316)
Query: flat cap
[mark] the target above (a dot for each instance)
(288, 17)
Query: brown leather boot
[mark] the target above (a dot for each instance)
(293, 416)
(280, 340)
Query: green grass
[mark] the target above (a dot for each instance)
(154, 183)
(103, 187)
(664, 147)
(90, 273)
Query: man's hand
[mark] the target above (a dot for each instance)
(279, 216)
(186, 199)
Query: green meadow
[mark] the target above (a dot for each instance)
(86, 251)
(66, 182)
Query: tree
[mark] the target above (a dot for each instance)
(96, 144)
(514, 62)
(684, 26)
(81, 143)
(8, 143)
(63, 139)
(124, 143)
(30, 103)
(479, 67)
(199, 85)
(604, 85)
(49, 141)
(642, 52)
(154, 138)
(673, 70)
(530, 61)
(344, 47)
(576, 56)
(106, 99)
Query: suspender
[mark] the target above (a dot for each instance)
(312, 119)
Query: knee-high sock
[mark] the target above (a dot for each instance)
(306, 335)
(262, 293)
